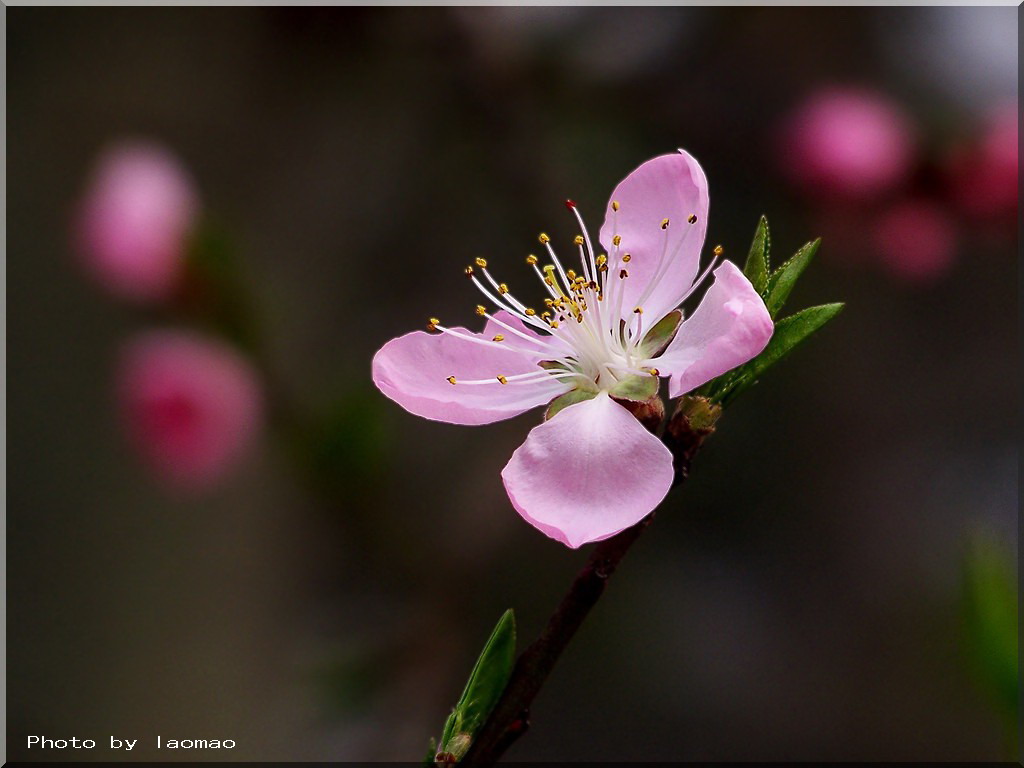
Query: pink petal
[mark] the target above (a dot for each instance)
(669, 187)
(413, 370)
(588, 473)
(731, 326)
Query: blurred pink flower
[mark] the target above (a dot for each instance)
(591, 470)
(132, 225)
(984, 175)
(847, 143)
(916, 240)
(190, 405)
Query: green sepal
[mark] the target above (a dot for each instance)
(553, 365)
(757, 266)
(660, 335)
(486, 683)
(782, 280)
(635, 388)
(572, 397)
(788, 333)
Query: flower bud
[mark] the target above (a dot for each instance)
(190, 406)
(134, 220)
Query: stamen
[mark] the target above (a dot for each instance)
(498, 337)
(482, 263)
(451, 380)
(432, 324)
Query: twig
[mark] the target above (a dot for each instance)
(686, 432)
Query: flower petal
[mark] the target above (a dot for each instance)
(588, 473)
(669, 187)
(413, 370)
(731, 326)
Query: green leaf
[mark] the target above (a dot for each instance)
(782, 280)
(636, 388)
(788, 333)
(660, 335)
(569, 398)
(486, 683)
(990, 612)
(756, 268)
(428, 759)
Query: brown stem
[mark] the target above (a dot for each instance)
(687, 430)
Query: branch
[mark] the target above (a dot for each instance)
(693, 422)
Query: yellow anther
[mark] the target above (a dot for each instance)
(693, 218)
(530, 312)
(664, 223)
(578, 240)
(718, 250)
(616, 240)
(544, 238)
(549, 302)
(451, 380)
(502, 288)
(626, 258)
(531, 259)
(499, 337)
(623, 274)
(638, 310)
(654, 371)
(482, 263)
(549, 281)
(571, 274)
(481, 310)
(545, 315)
(615, 205)
(469, 271)
(602, 268)
(602, 259)
(432, 324)
(554, 323)
(502, 379)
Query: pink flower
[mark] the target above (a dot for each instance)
(985, 175)
(916, 240)
(190, 405)
(591, 470)
(847, 143)
(132, 225)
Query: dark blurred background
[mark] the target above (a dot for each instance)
(800, 599)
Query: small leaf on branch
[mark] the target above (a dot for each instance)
(486, 683)
(757, 266)
(782, 280)
(788, 333)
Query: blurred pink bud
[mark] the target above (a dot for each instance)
(916, 240)
(133, 222)
(190, 405)
(847, 143)
(984, 176)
